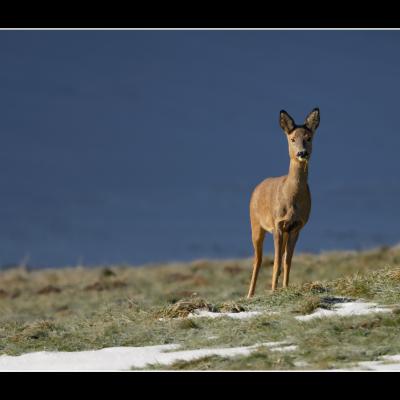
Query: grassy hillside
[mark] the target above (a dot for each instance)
(78, 309)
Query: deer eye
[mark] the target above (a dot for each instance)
(308, 139)
(293, 139)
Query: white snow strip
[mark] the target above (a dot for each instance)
(301, 364)
(118, 358)
(237, 315)
(276, 344)
(345, 309)
(286, 348)
(387, 363)
(209, 314)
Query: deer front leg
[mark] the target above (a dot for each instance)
(258, 234)
(278, 246)
(287, 259)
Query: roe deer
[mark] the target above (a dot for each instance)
(282, 205)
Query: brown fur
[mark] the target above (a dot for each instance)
(282, 205)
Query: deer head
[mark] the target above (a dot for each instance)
(300, 136)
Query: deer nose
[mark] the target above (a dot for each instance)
(302, 154)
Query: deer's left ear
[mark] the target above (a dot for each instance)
(312, 120)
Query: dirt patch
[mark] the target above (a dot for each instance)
(201, 265)
(100, 286)
(16, 293)
(368, 325)
(62, 308)
(200, 281)
(177, 277)
(234, 269)
(267, 262)
(49, 289)
(107, 272)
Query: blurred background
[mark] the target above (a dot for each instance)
(144, 146)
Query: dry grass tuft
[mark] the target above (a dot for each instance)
(355, 286)
(367, 324)
(184, 307)
(175, 296)
(35, 330)
(308, 304)
(231, 307)
(394, 274)
(315, 287)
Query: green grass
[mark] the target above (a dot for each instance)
(79, 308)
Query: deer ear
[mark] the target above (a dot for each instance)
(286, 121)
(312, 120)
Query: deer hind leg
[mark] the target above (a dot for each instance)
(287, 259)
(280, 239)
(258, 234)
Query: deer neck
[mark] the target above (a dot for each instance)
(296, 182)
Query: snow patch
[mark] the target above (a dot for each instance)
(235, 315)
(121, 358)
(286, 348)
(386, 363)
(358, 307)
(301, 364)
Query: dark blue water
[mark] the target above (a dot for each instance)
(144, 146)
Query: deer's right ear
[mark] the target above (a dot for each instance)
(286, 121)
